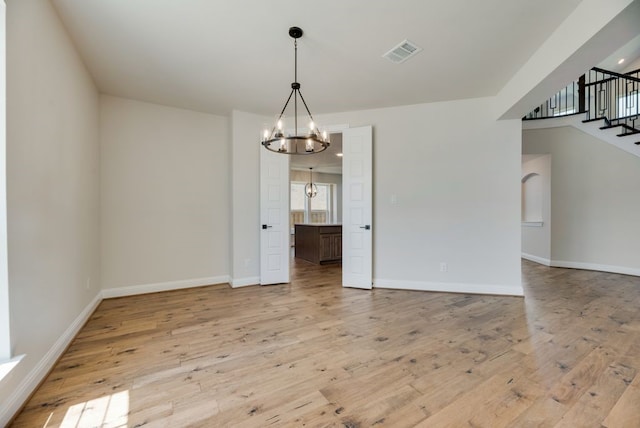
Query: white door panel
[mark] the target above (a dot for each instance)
(274, 218)
(357, 178)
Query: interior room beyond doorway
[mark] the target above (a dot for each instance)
(316, 222)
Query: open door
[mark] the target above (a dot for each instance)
(274, 218)
(357, 195)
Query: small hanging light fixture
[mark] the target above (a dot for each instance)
(310, 189)
(299, 143)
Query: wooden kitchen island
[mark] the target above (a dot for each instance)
(319, 243)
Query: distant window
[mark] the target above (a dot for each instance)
(564, 102)
(320, 205)
(565, 112)
(298, 204)
(628, 105)
(297, 196)
(318, 209)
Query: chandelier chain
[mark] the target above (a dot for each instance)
(296, 86)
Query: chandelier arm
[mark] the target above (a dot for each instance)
(305, 105)
(282, 112)
(286, 104)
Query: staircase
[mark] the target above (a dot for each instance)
(602, 100)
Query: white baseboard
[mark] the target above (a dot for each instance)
(598, 267)
(448, 287)
(244, 282)
(579, 265)
(163, 286)
(35, 376)
(536, 259)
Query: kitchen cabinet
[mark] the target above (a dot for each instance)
(318, 243)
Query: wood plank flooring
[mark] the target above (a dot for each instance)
(313, 354)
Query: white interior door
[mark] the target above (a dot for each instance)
(357, 254)
(274, 217)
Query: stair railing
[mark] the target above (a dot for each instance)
(613, 97)
(600, 94)
(564, 103)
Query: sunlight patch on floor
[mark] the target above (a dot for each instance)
(109, 411)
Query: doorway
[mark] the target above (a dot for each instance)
(317, 219)
(357, 199)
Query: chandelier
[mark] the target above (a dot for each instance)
(299, 143)
(310, 189)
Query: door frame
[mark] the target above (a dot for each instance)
(332, 129)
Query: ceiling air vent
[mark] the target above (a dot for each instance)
(402, 52)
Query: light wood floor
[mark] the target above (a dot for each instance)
(311, 353)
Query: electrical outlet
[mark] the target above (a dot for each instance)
(444, 267)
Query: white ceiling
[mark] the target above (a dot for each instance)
(215, 56)
(630, 52)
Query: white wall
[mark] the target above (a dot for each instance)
(164, 187)
(245, 197)
(536, 239)
(595, 202)
(457, 185)
(53, 193)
